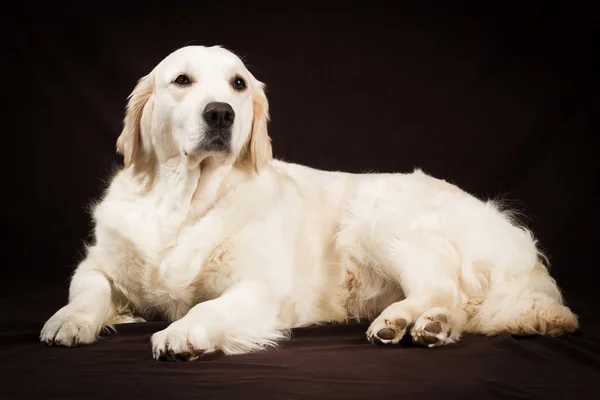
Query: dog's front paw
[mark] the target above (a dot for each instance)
(68, 328)
(180, 342)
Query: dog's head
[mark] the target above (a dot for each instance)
(198, 102)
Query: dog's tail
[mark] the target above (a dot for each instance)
(529, 305)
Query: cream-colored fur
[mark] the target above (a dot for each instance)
(236, 248)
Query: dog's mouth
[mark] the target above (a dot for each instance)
(214, 141)
(214, 146)
(217, 140)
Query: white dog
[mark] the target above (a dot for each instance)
(204, 228)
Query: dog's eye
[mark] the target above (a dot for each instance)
(182, 80)
(238, 83)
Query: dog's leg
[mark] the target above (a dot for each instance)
(80, 321)
(243, 319)
(426, 267)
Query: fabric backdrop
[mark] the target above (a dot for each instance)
(501, 101)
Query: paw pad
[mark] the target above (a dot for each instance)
(386, 333)
(391, 332)
(431, 331)
(434, 327)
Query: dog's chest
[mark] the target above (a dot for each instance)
(145, 289)
(138, 241)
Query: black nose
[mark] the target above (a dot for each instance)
(218, 115)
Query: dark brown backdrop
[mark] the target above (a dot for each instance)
(498, 100)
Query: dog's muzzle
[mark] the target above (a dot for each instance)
(219, 119)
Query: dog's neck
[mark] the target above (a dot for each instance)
(184, 187)
(209, 185)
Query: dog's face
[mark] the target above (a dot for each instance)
(198, 102)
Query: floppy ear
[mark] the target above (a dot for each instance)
(258, 151)
(129, 143)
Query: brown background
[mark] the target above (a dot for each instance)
(501, 101)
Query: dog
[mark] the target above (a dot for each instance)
(203, 227)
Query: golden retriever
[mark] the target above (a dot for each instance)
(203, 227)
